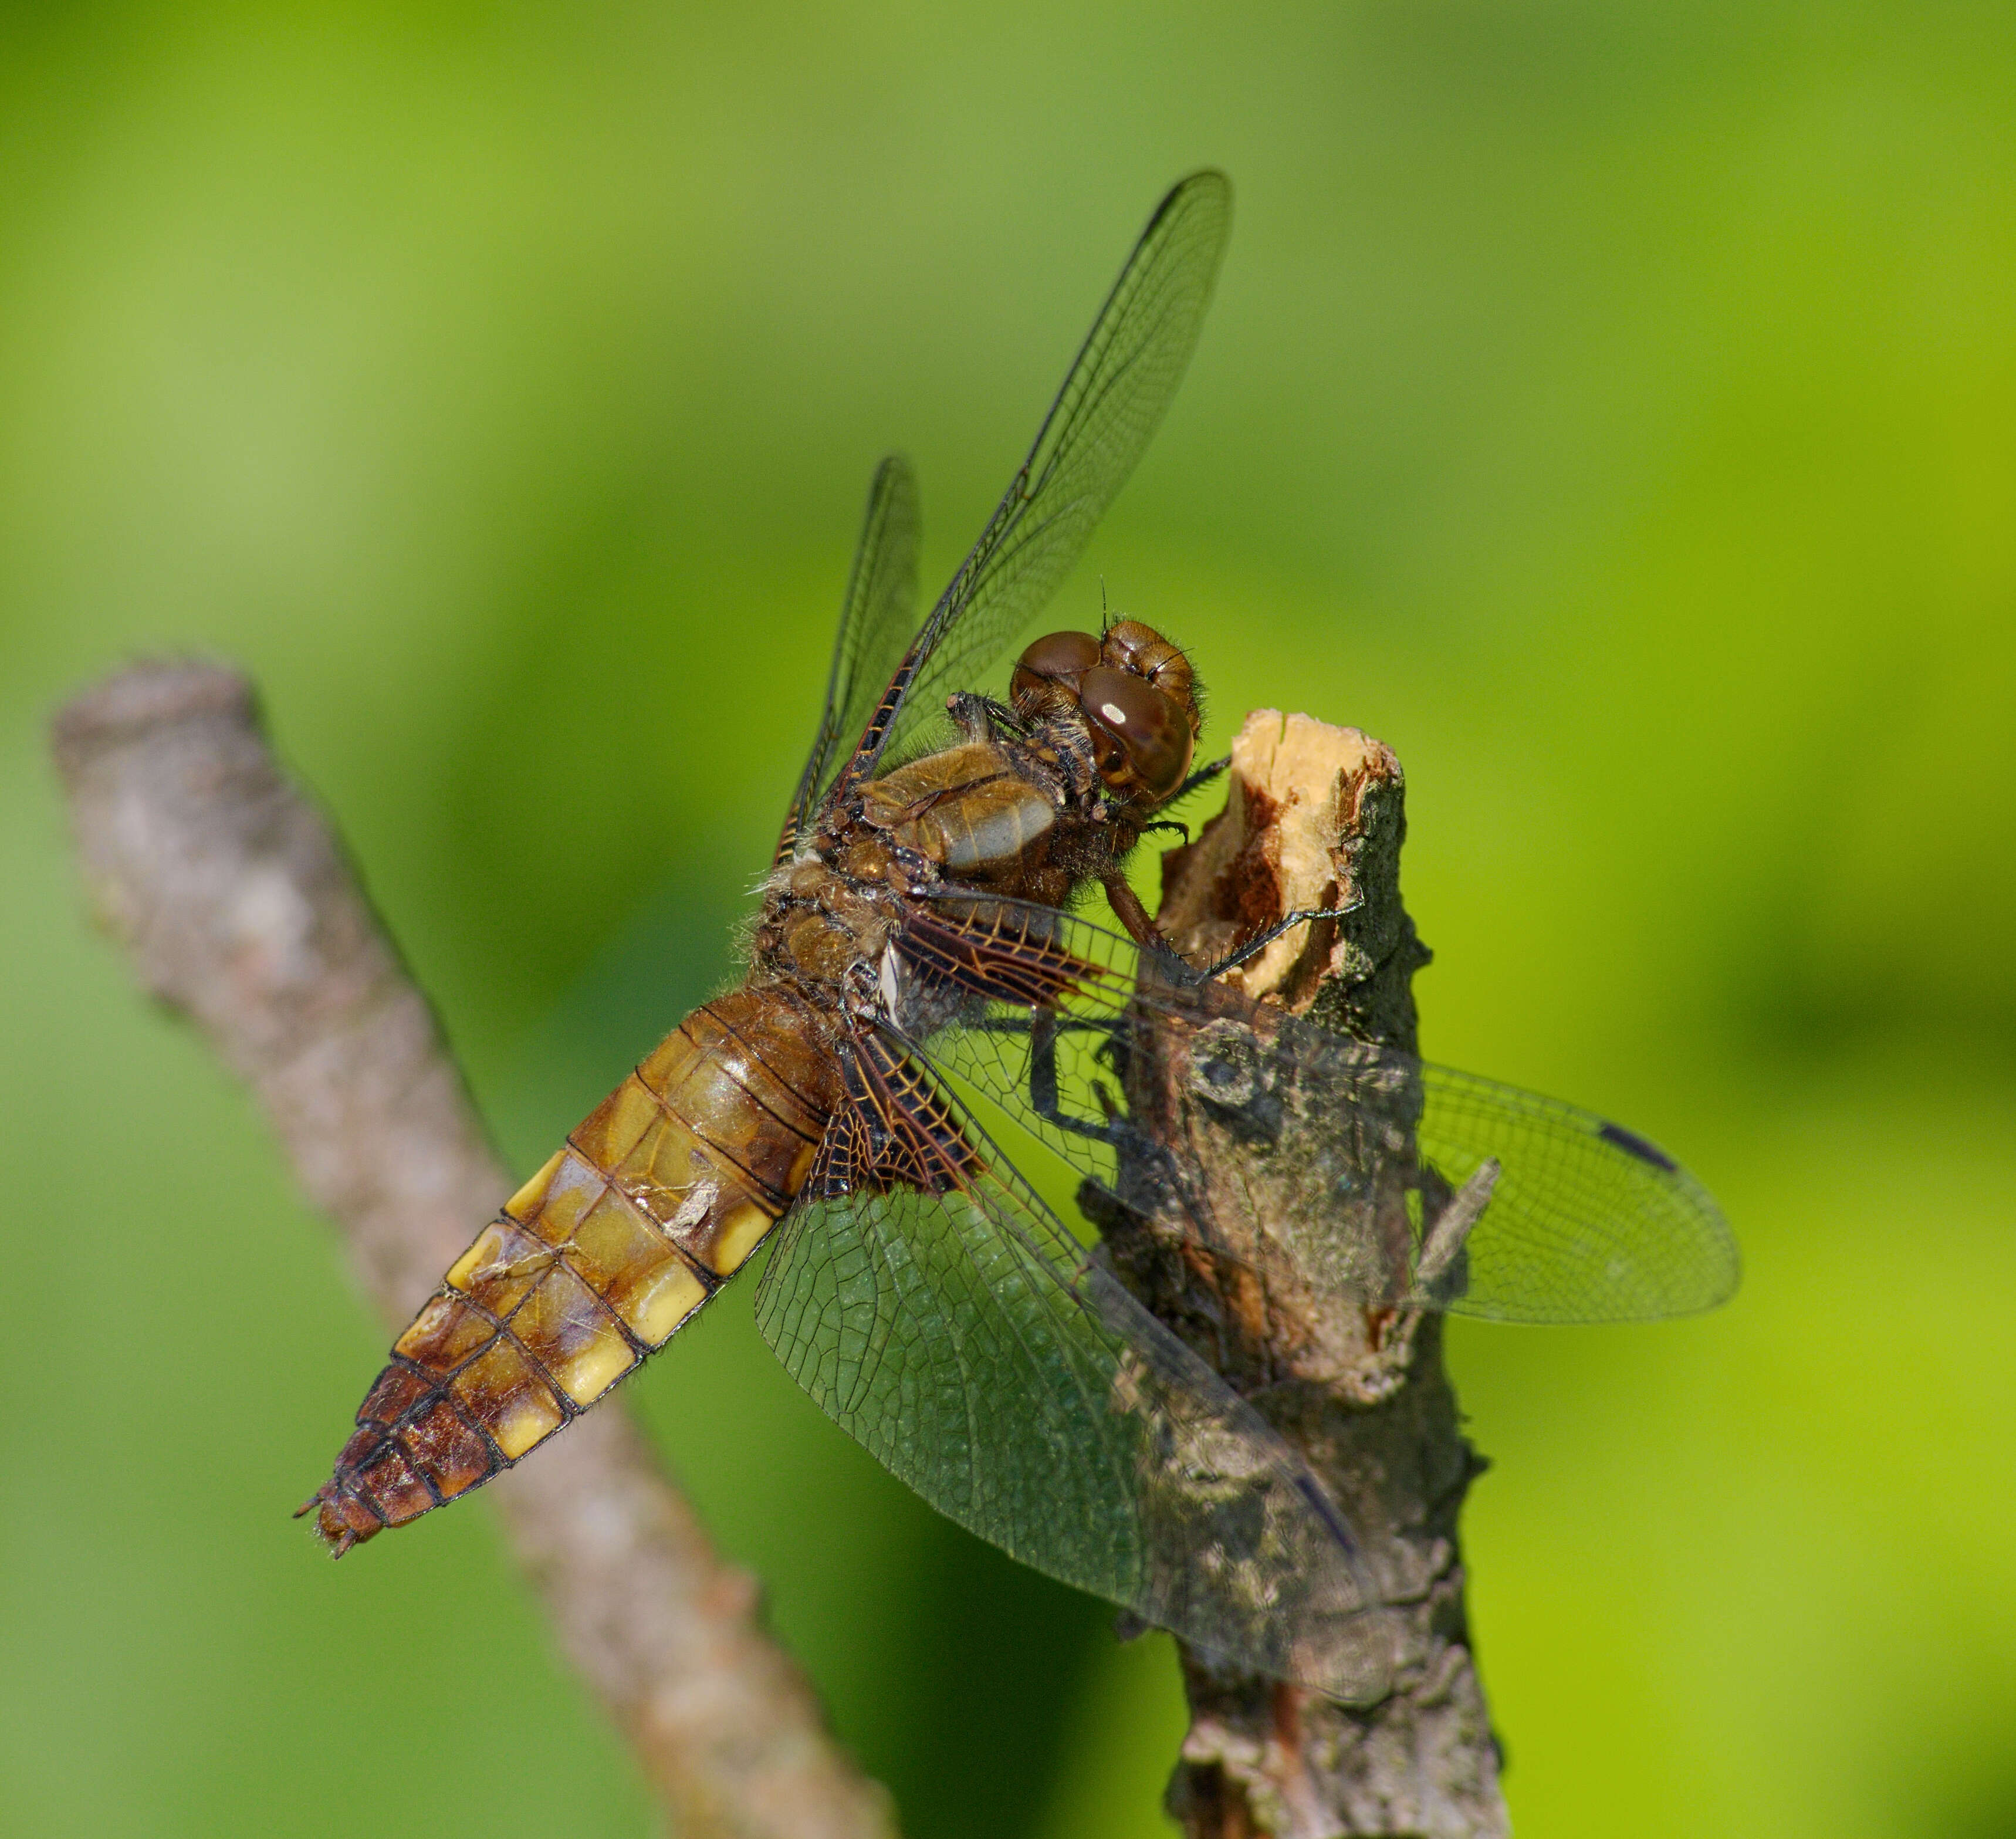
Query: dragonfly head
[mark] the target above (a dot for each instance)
(1137, 697)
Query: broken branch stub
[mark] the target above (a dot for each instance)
(1314, 817)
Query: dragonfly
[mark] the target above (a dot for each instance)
(919, 987)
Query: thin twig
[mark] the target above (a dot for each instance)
(1314, 819)
(234, 898)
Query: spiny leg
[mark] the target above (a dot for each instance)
(1203, 776)
(1260, 941)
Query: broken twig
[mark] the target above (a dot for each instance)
(1314, 819)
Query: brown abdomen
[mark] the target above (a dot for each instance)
(659, 1197)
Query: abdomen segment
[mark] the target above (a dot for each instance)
(657, 1199)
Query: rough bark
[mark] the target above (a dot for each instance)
(235, 900)
(1315, 817)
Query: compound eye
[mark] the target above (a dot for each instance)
(1147, 737)
(1130, 646)
(1057, 657)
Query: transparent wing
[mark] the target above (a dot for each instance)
(1097, 428)
(967, 1342)
(876, 620)
(1588, 1221)
(1378, 1178)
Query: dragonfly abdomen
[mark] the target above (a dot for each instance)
(658, 1198)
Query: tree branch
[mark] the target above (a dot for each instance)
(233, 897)
(1315, 817)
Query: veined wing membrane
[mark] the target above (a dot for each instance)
(875, 618)
(1588, 1222)
(966, 1340)
(1111, 402)
(1374, 1175)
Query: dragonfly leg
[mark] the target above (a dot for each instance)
(1127, 909)
(1203, 776)
(1044, 1099)
(1260, 941)
(981, 717)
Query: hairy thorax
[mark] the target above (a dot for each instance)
(1022, 817)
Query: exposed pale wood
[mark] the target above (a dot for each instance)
(1315, 817)
(233, 897)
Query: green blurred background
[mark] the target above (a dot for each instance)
(1613, 408)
